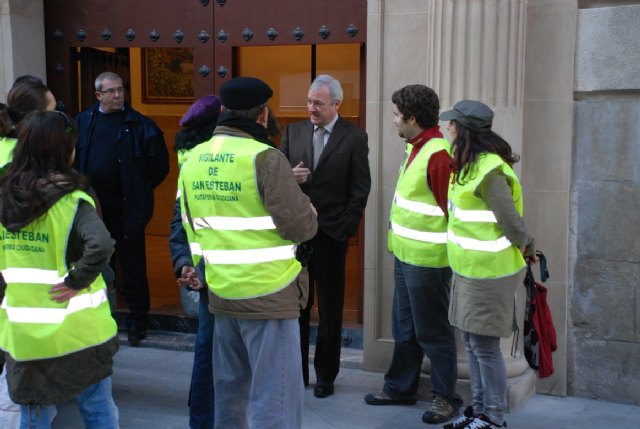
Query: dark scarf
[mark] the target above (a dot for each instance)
(257, 131)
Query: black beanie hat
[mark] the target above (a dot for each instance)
(244, 93)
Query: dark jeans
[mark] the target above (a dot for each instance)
(421, 325)
(326, 275)
(201, 394)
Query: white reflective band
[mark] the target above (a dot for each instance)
(251, 256)
(54, 315)
(485, 246)
(418, 207)
(233, 223)
(195, 249)
(429, 237)
(178, 194)
(473, 215)
(31, 275)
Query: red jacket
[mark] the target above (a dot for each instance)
(540, 338)
(546, 331)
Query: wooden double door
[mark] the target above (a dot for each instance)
(171, 52)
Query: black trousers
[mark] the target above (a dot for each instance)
(327, 278)
(132, 260)
(129, 261)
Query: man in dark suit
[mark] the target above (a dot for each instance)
(329, 157)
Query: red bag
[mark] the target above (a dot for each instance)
(540, 339)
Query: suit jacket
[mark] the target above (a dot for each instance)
(340, 184)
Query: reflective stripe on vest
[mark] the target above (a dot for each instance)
(473, 215)
(32, 325)
(244, 255)
(194, 247)
(417, 225)
(482, 245)
(234, 223)
(418, 207)
(31, 275)
(427, 237)
(476, 246)
(250, 256)
(54, 315)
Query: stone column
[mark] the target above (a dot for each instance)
(464, 49)
(22, 48)
(476, 51)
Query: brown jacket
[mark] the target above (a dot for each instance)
(294, 220)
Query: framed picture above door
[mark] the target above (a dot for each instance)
(167, 75)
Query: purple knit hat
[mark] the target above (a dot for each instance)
(203, 111)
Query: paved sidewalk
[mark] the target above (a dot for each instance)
(151, 388)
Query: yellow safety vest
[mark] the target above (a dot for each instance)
(32, 326)
(418, 226)
(7, 144)
(476, 245)
(194, 246)
(244, 255)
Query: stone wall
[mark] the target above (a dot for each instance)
(22, 49)
(604, 305)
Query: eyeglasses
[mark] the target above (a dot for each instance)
(112, 91)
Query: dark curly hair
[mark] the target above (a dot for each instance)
(418, 101)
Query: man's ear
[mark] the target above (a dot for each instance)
(263, 118)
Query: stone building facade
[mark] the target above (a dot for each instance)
(604, 253)
(564, 79)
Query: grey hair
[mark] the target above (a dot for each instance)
(105, 76)
(335, 89)
(251, 114)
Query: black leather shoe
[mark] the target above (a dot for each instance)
(383, 398)
(136, 334)
(323, 389)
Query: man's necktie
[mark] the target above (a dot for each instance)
(318, 145)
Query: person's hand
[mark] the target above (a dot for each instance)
(189, 278)
(61, 293)
(530, 259)
(301, 173)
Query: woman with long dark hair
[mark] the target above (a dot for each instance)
(56, 324)
(199, 123)
(28, 94)
(486, 243)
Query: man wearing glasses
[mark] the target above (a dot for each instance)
(125, 157)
